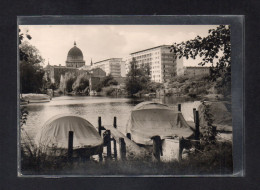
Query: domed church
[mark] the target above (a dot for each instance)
(75, 57)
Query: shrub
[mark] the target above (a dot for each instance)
(81, 83)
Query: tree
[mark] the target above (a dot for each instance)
(81, 83)
(146, 69)
(31, 72)
(23, 55)
(136, 79)
(68, 81)
(109, 80)
(215, 47)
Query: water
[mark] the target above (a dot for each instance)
(91, 107)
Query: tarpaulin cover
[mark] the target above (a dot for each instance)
(54, 133)
(149, 119)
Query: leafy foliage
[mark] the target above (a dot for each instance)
(209, 131)
(215, 47)
(136, 79)
(31, 72)
(81, 83)
(67, 82)
(108, 80)
(23, 55)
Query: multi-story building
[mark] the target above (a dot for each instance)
(111, 66)
(162, 62)
(195, 71)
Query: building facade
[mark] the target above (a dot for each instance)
(162, 62)
(111, 66)
(75, 57)
(196, 71)
(56, 72)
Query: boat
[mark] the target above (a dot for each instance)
(149, 119)
(36, 98)
(53, 136)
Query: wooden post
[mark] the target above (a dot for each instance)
(115, 150)
(180, 148)
(99, 132)
(179, 107)
(70, 146)
(128, 135)
(197, 125)
(108, 144)
(197, 130)
(115, 125)
(194, 115)
(122, 148)
(99, 125)
(157, 147)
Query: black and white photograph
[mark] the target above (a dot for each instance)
(124, 100)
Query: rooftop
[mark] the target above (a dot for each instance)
(197, 67)
(106, 60)
(150, 49)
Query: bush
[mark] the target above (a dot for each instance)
(81, 83)
(110, 91)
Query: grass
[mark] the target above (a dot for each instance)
(211, 159)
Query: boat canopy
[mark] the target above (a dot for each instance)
(150, 119)
(54, 133)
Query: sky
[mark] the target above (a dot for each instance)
(99, 42)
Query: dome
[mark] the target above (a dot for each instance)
(75, 54)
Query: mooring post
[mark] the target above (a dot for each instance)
(115, 150)
(197, 125)
(179, 107)
(157, 147)
(114, 124)
(99, 132)
(180, 148)
(99, 125)
(122, 146)
(197, 129)
(70, 146)
(194, 115)
(108, 143)
(128, 135)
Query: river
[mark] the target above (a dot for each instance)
(90, 107)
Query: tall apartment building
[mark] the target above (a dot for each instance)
(163, 63)
(111, 66)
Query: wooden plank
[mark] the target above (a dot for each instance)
(132, 149)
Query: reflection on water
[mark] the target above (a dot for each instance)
(92, 107)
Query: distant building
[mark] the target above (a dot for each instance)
(110, 66)
(195, 71)
(97, 72)
(163, 63)
(85, 68)
(75, 57)
(57, 71)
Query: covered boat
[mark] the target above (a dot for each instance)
(36, 98)
(149, 119)
(53, 136)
